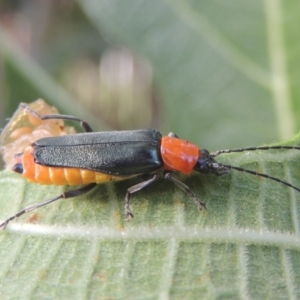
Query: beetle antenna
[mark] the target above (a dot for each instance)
(260, 174)
(253, 149)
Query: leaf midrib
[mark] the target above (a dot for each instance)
(186, 233)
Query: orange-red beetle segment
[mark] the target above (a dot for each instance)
(57, 176)
(28, 165)
(179, 155)
(87, 176)
(42, 174)
(72, 176)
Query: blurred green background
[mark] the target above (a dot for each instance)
(220, 73)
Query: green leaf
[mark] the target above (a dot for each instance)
(227, 72)
(84, 248)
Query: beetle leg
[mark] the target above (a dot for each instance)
(197, 201)
(85, 126)
(134, 189)
(65, 195)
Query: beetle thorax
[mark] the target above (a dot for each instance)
(179, 155)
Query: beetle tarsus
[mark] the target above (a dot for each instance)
(129, 215)
(200, 205)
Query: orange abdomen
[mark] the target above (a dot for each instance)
(58, 175)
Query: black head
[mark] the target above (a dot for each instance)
(207, 164)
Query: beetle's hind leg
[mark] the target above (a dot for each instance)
(85, 126)
(65, 195)
(134, 189)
